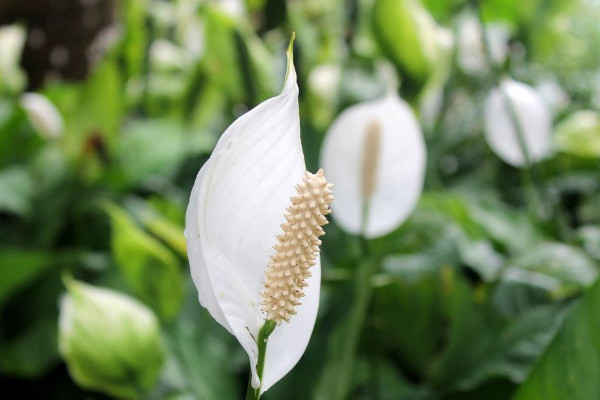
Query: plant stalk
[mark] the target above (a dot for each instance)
(263, 336)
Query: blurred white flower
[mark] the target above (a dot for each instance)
(43, 115)
(234, 223)
(553, 94)
(12, 40)
(375, 154)
(166, 55)
(518, 100)
(471, 50)
(324, 81)
(110, 341)
(235, 8)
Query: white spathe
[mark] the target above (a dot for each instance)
(236, 207)
(399, 172)
(471, 56)
(534, 119)
(43, 115)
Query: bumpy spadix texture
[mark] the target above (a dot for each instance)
(297, 247)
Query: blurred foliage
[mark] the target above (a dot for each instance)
(485, 292)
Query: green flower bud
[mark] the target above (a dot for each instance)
(110, 341)
(409, 37)
(579, 134)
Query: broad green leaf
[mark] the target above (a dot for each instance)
(152, 271)
(94, 110)
(16, 191)
(19, 267)
(33, 351)
(336, 379)
(558, 268)
(150, 150)
(483, 344)
(407, 321)
(570, 367)
(579, 134)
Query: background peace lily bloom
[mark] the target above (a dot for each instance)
(534, 119)
(375, 154)
(233, 220)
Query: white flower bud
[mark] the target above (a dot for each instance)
(110, 341)
(42, 115)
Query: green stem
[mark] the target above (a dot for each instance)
(336, 381)
(263, 336)
(538, 209)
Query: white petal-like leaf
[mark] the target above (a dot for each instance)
(398, 171)
(234, 215)
(533, 116)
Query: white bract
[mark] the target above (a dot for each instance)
(12, 41)
(233, 222)
(515, 100)
(375, 154)
(43, 115)
(471, 56)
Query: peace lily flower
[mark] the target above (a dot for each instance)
(512, 101)
(252, 229)
(375, 154)
(43, 115)
(471, 47)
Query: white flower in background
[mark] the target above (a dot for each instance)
(375, 154)
(166, 55)
(110, 341)
(471, 50)
(517, 99)
(252, 228)
(553, 94)
(43, 115)
(324, 81)
(235, 8)
(12, 40)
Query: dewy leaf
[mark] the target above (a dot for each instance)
(570, 367)
(374, 153)
(236, 207)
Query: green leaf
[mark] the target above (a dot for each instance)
(33, 351)
(579, 134)
(336, 379)
(557, 268)
(150, 269)
(16, 191)
(18, 268)
(407, 321)
(408, 35)
(570, 367)
(151, 149)
(483, 344)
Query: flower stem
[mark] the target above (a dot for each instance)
(336, 380)
(538, 209)
(263, 336)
